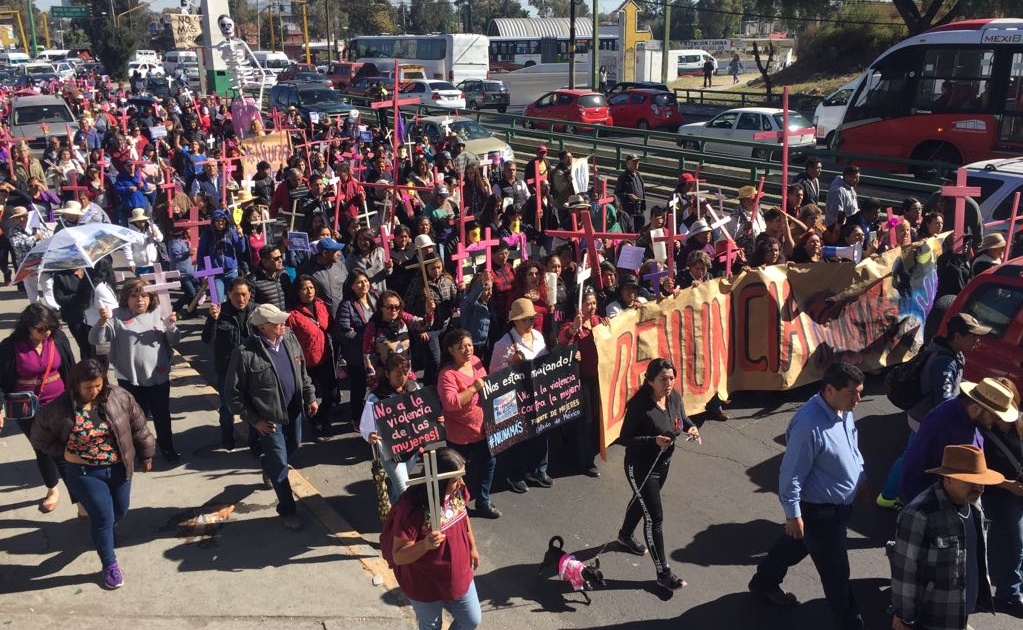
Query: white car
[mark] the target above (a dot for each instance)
(830, 112)
(64, 69)
(435, 94)
(744, 123)
(999, 180)
(145, 68)
(478, 139)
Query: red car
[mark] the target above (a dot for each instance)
(581, 109)
(292, 71)
(643, 108)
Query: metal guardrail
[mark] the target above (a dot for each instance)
(802, 103)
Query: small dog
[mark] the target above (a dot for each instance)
(581, 576)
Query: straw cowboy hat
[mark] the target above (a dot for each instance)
(577, 201)
(17, 212)
(747, 192)
(244, 196)
(521, 308)
(993, 396)
(965, 462)
(72, 208)
(138, 214)
(991, 241)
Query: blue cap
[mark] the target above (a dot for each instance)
(327, 244)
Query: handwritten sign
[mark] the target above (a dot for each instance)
(408, 423)
(631, 257)
(530, 398)
(274, 148)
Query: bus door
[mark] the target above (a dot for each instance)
(1010, 133)
(549, 52)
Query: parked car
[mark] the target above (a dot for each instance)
(308, 98)
(628, 85)
(292, 72)
(33, 81)
(481, 94)
(158, 86)
(831, 110)
(64, 69)
(743, 123)
(342, 73)
(145, 68)
(306, 76)
(643, 108)
(581, 109)
(435, 94)
(32, 117)
(365, 86)
(478, 139)
(999, 180)
(995, 298)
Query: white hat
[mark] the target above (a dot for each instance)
(138, 214)
(71, 208)
(267, 314)
(423, 241)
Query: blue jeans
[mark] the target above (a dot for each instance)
(276, 447)
(220, 281)
(105, 492)
(824, 540)
(1004, 541)
(465, 611)
(894, 481)
(397, 474)
(479, 470)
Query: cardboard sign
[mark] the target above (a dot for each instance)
(157, 131)
(274, 147)
(631, 257)
(408, 423)
(530, 398)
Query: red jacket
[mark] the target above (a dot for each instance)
(311, 323)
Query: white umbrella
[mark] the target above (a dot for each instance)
(76, 247)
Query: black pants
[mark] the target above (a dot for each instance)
(7, 265)
(155, 401)
(51, 469)
(647, 507)
(824, 540)
(80, 331)
(357, 383)
(527, 457)
(325, 384)
(586, 436)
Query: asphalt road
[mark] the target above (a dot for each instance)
(721, 516)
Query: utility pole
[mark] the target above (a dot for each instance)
(326, 17)
(571, 45)
(32, 27)
(595, 53)
(667, 43)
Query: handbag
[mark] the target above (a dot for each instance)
(24, 405)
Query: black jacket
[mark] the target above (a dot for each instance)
(644, 421)
(74, 295)
(227, 332)
(8, 370)
(267, 290)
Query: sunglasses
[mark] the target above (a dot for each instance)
(391, 307)
(42, 329)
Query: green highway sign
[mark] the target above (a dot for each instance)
(66, 12)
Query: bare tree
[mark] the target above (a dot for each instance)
(918, 18)
(764, 67)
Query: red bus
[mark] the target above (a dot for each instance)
(952, 94)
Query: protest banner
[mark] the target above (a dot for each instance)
(408, 423)
(274, 148)
(530, 398)
(769, 329)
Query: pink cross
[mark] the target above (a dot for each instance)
(192, 224)
(784, 136)
(537, 183)
(1012, 227)
(960, 192)
(590, 235)
(209, 274)
(395, 103)
(385, 241)
(161, 287)
(669, 238)
(75, 188)
(603, 201)
(168, 185)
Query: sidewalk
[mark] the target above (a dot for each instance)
(201, 546)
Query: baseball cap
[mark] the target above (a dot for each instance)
(686, 178)
(964, 323)
(268, 314)
(327, 244)
(542, 148)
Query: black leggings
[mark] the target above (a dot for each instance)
(51, 470)
(647, 507)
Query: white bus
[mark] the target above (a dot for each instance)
(509, 53)
(454, 57)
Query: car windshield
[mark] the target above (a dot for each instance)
(494, 86)
(38, 69)
(35, 114)
(665, 99)
(796, 121)
(305, 75)
(592, 100)
(316, 97)
(470, 130)
(441, 85)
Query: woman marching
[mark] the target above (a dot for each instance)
(654, 419)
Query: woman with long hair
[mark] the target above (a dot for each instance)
(389, 330)
(140, 351)
(100, 432)
(36, 357)
(394, 381)
(368, 256)
(353, 315)
(312, 323)
(529, 284)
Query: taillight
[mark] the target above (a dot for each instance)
(461, 95)
(436, 96)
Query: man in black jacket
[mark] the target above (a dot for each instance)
(270, 285)
(630, 192)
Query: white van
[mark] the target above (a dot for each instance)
(148, 56)
(691, 62)
(830, 112)
(185, 58)
(13, 58)
(52, 55)
(275, 62)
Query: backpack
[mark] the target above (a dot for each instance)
(902, 383)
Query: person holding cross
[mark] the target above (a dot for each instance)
(140, 353)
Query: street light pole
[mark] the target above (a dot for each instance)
(32, 26)
(571, 45)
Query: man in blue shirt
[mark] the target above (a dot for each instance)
(821, 474)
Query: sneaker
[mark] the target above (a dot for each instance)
(631, 545)
(888, 504)
(592, 472)
(517, 485)
(667, 579)
(292, 522)
(541, 479)
(774, 595)
(112, 576)
(488, 511)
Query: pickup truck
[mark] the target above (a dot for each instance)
(995, 298)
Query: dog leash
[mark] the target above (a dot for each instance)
(635, 495)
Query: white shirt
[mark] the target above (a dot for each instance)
(511, 344)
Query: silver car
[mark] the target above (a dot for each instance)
(33, 118)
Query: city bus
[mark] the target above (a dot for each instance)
(953, 94)
(453, 57)
(511, 53)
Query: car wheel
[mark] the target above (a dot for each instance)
(501, 110)
(690, 145)
(473, 105)
(529, 124)
(935, 152)
(570, 129)
(761, 154)
(642, 125)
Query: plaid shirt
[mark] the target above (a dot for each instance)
(929, 562)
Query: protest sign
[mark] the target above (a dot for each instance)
(770, 329)
(408, 423)
(274, 148)
(530, 398)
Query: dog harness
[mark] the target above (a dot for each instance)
(571, 570)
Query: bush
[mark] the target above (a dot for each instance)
(844, 48)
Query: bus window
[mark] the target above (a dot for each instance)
(953, 79)
(1012, 122)
(884, 93)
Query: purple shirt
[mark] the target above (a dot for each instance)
(30, 366)
(945, 425)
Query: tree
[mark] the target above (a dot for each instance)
(475, 15)
(559, 8)
(115, 44)
(764, 66)
(718, 18)
(431, 16)
(920, 16)
(370, 17)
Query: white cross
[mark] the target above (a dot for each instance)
(432, 480)
(294, 213)
(582, 274)
(366, 214)
(161, 287)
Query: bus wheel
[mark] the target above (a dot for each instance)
(935, 152)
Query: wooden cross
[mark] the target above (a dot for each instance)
(395, 103)
(385, 241)
(75, 188)
(431, 478)
(784, 136)
(209, 274)
(124, 120)
(537, 184)
(1012, 227)
(960, 192)
(487, 244)
(582, 274)
(366, 214)
(161, 287)
(668, 237)
(169, 185)
(293, 214)
(192, 224)
(590, 235)
(891, 223)
(602, 201)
